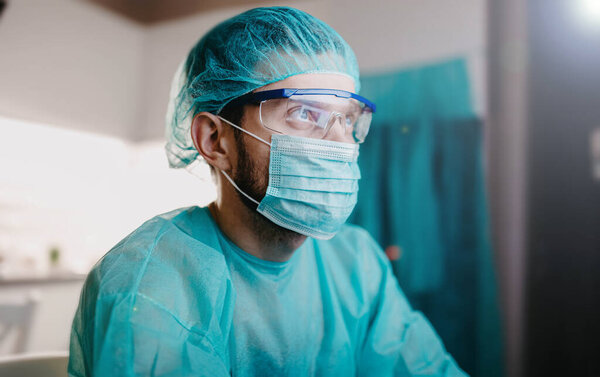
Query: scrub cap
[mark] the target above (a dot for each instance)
(243, 53)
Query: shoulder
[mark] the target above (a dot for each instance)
(353, 254)
(174, 248)
(164, 285)
(355, 243)
(354, 234)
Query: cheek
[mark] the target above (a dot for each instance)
(262, 165)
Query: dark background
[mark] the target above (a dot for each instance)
(562, 320)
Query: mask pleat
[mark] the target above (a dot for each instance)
(333, 199)
(316, 184)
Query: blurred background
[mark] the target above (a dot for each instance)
(481, 173)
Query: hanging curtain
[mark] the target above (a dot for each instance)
(423, 191)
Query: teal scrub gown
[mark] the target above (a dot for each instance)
(178, 298)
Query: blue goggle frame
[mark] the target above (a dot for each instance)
(257, 97)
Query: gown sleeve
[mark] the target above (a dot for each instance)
(168, 324)
(400, 341)
(133, 335)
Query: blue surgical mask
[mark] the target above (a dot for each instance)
(313, 184)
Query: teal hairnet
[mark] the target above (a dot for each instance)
(243, 53)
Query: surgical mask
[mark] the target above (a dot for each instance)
(313, 184)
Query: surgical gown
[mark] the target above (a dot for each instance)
(178, 298)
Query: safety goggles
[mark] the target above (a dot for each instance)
(312, 112)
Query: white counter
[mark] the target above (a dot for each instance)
(55, 301)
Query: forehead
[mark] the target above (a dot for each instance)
(314, 81)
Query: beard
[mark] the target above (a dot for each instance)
(253, 179)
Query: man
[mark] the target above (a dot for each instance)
(267, 280)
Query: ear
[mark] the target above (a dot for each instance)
(208, 135)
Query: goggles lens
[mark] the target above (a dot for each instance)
(317, 116)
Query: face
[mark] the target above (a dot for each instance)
(252, 167)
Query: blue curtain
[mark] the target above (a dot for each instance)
(423, 190)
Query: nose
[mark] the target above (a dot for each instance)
(337, 130)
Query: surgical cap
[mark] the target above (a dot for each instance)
(243, 53)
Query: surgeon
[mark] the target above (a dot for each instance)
(267, 280)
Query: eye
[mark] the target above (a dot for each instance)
(302, 117)
(303, 113)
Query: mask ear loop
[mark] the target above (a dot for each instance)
(200, 169)
(243, 130)
(227, 175)
(239, 189)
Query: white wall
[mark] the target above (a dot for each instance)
(385, 35)
(81, 193)
(71, 64)
(389, 34)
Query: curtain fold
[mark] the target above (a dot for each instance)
(423, 191)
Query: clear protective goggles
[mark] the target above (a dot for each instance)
(314, 113)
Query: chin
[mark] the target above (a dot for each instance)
(298, 240)
(291, 239)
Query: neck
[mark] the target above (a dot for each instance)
(251, 231)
